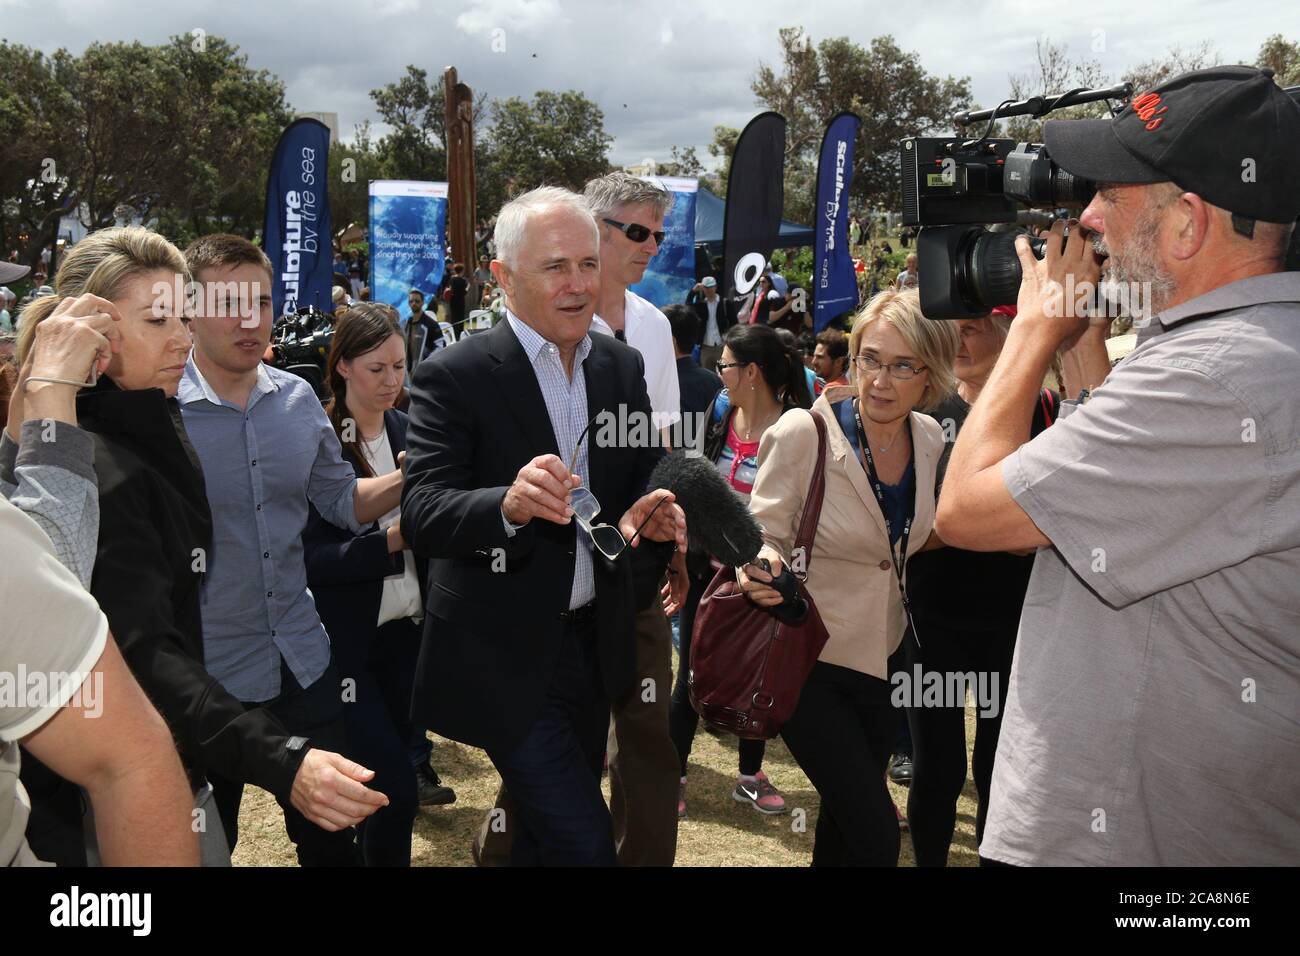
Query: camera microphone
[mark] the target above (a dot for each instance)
(717, 520)
(718, 523)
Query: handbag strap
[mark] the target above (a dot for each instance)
(812, 508)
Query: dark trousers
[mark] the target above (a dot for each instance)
(642, 758)
(939, 735)
(682, 718)
(315, 712)
(553, 775)
(420, 748)
(841, 735)
(376, 715)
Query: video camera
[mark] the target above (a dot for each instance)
(300, 343)
(955, 187)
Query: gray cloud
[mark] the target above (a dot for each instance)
(680, 67)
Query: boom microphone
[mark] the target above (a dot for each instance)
(717, 520)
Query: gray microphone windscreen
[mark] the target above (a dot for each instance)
(717, 520)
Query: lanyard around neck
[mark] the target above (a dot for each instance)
(874, 480)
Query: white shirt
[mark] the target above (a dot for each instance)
(647, 330)
(401, 596)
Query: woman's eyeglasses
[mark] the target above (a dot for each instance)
(900, 371)
(607, 539)
(723, 366)
(636, 232)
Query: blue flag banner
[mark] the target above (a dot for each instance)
(408, 241)
(835, 285)
(296, 234)
(671, 273)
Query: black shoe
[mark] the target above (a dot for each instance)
(900, 769)
(430, 789)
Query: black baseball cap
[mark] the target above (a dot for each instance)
(1228, 133)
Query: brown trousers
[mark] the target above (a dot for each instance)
(643, 763)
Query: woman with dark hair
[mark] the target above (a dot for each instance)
(762, 379)
(368, 586)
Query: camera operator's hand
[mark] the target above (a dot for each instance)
(1058, 291)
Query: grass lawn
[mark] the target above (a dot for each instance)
(717, 831)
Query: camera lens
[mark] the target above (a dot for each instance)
(993, 268)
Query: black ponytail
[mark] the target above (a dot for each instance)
(780, 363)
(797, 394)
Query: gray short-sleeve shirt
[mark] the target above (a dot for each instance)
(51, 635)
(1153, 714)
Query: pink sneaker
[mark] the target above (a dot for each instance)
(764, 797)
(681, 798)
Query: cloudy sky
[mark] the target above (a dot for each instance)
(664, 72)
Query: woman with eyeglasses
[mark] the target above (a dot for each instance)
(762, 379)
(881, 458)
(368, 587)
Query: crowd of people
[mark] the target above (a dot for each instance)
(234, 584)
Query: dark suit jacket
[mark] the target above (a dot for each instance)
(346, 572)
(726, 314)
(492, 637)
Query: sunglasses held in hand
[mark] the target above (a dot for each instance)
(606, 538)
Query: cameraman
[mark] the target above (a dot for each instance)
(1152, 714)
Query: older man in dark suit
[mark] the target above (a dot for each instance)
(529, 624)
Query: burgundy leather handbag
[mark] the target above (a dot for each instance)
(747, 667)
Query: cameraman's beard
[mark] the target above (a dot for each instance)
(1134, 282)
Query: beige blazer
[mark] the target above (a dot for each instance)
(850, 571)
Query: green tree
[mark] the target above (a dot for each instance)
(1178, 60)
(415, 109)
(38, 130)
(228, 119)
(683, 162)
(722, 147)
(1057, 72)
(1282, 56)
(352, 167)
(558, 139)
(885, 86)
(179, 134)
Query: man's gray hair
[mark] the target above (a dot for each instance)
(607, 193)
(514, 216)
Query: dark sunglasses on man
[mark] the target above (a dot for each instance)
(636, 232)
